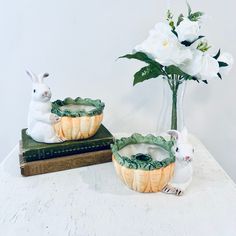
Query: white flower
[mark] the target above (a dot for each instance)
(227, 58)
(188, 30)
(194, 66)
(163, 46)
(209, 69)
(202, 66)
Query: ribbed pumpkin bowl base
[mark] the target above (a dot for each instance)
(70, 128)
(144, 163)
(80, 118)
(142, 180)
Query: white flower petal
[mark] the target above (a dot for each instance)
(194, 66)
(227, 58)
(210, 68)
(188, 30)
(163, 46)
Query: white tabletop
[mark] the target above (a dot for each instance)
(93, 201)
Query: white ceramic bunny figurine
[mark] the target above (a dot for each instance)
(40, 118)
(183, 151)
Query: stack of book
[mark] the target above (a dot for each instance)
(39, 158)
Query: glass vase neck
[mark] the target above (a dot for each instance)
(172, 114)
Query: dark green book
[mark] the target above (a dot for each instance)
(34, 151)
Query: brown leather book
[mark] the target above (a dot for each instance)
(64, 163)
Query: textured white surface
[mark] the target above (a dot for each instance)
(78, 42)
(93, 201)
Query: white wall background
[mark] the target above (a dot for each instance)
(78, 42)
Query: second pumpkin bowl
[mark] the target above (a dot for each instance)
(144, 163)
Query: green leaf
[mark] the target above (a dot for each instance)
(180, 18)
(147, 72)
(188, 77)
(189, 9)
(175, 33)
(169, 15)
(219, 75)
(141, 56)
(222, 64)
(195, 78)
(203, 46)
(205, 81)
(217, 55)
(174, 70)
(195, 16)
(187, 43)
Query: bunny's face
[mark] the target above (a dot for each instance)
(41, 92)
(182, 149)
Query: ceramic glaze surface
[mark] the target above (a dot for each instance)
(80, 118)
(143, 163)
(74, 128)
(40, 118)
(154, 151)
(76, 108)
(184, 153)
(143, 180)
(73, 104)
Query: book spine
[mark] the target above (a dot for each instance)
(64, 163)
(71, 149)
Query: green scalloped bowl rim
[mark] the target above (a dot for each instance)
(98, 104)
(132, 163)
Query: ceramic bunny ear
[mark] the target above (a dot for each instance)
(42, 76)
(33, 77)
(174, 133)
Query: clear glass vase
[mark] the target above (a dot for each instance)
(172, 113)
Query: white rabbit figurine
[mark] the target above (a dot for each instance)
(40, 118)
(183, 151)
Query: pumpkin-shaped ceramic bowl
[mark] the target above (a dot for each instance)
(144, 163)
(80, 118)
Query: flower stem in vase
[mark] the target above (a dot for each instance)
(174, 110)
(174, 82)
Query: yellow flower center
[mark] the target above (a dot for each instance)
(165, 43)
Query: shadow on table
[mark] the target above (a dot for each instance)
(102, 178)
